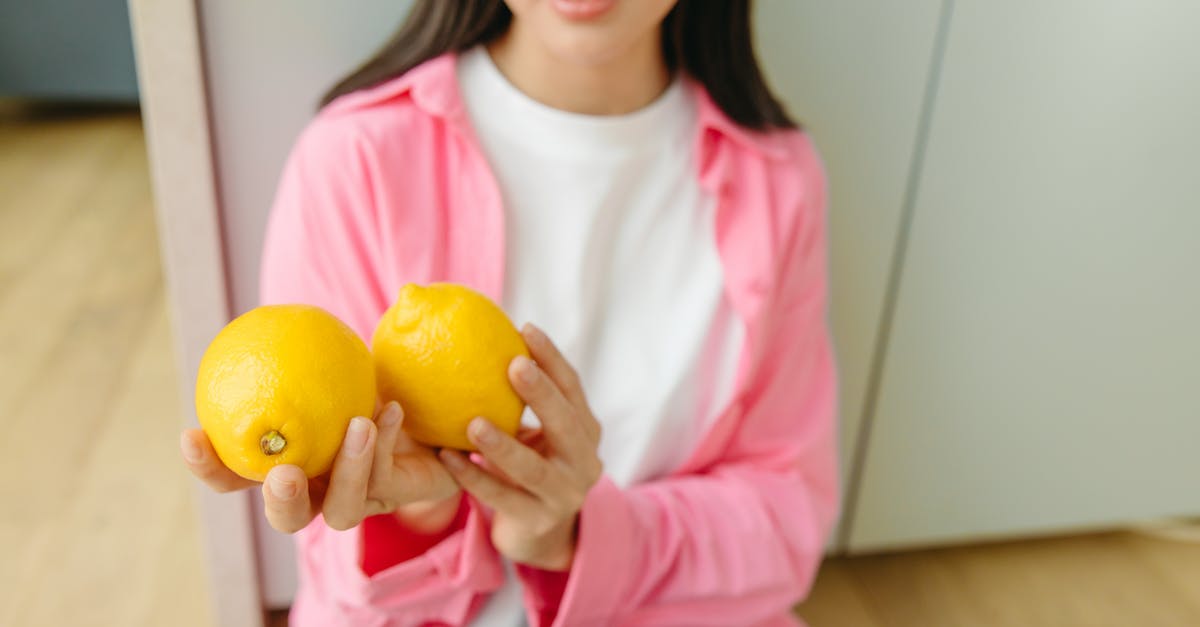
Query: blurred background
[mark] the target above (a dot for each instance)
(1015, 228)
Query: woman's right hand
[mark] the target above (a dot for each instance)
(379, 469)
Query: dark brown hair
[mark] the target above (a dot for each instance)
(708, 39)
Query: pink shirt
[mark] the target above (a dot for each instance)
(388, 186)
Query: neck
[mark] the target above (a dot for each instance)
(620, 85)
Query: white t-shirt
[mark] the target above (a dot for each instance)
(610, 249)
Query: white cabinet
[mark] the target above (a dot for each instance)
(1043, 365)
(854, 72)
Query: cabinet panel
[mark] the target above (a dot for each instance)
(1043, 365)
(854, 74)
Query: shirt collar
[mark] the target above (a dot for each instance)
(433, 86)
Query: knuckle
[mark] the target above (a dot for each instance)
(293, 527)
(498, 446)
(382, 506)
(592, 471)
(340, 521)
(207, 472)
(572, 377)
(536, 474)
(549, 521)
(217, 482)
(469, 477)
(574, 503)
(282, 522)
(543, 522)
(541, 386)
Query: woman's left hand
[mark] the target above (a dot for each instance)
(536, 484)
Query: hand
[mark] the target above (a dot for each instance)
(536, 485)
(378, 470)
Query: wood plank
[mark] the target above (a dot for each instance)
(20, 545)
(49, 169)
(69, 362)
(1176, 565)
(153, 393)
(1095, 580)
(44, 299)
(837, 598)
(108, 528)
(130, 499)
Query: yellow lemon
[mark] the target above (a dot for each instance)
(442, 351)
(279, 385)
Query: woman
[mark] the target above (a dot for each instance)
(618, 172)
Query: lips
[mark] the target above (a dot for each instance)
(583, 9)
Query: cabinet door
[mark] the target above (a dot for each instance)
(853, 73)
(1042, 370)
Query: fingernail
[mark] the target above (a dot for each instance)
(483, 431)
(191, 452)
(526, 370)
(534, 331)
(452, 459)
(356, 436)
(391, 415)
(281, 488)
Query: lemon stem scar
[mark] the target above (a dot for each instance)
(272, 443)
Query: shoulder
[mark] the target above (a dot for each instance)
(400, 116)
(780, 177)
(794, 165)
(779, 169)
(776, 180)
(799, 176)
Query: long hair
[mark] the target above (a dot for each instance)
(710, 40)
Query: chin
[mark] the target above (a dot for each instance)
(587, 49)
(616, 30)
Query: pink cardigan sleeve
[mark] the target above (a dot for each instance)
(323, 248)
(740, 542)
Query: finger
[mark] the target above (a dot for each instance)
(529, 434)
(561, 424)
(533, 438)
(202, 461)
(559, 369)
(285, 499)
(519, 463)
(388, 425)
(547, 355)
(345, 500)
(487, 489)
(491, 468)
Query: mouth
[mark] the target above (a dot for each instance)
(582, 9)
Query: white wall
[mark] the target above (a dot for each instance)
(268, 61)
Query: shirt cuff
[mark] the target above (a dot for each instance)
(604, 555)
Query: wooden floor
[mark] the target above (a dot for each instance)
(97, 525)
(1118, 579)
